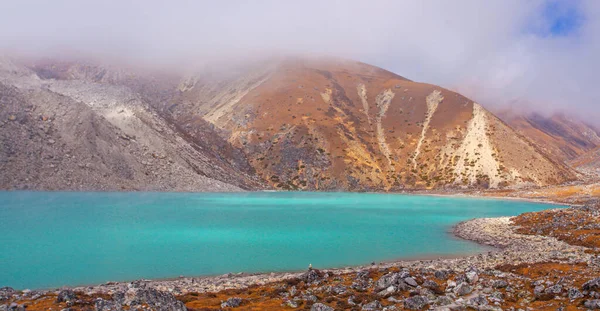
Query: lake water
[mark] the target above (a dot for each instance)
(51, 239)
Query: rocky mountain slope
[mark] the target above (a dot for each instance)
(588, 163)
(325, 124)
(84, 133)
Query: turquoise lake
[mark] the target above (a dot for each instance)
(51, 239)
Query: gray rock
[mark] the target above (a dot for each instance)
(293, 291)
(3, 307)
(321, 307)
(497, 297)
(351, 300)
(415, 303)
(592, 284)
(499, 284)
(106, 305)
(441, 274)
(291, 304)
(15, 307)
(555, 289)
(339, 289)
(404, 274)
(311, 298)
(360, 285)
(443, 301)
(388, 291)
(463, 289)
(393, 300)
(232, 302)
(65, 295)
(592, 304)
(410, 281)
(311, 276)
(372, 306)
(472, 277)
(574, 293)
(139, 294)
(538, 290)
(479, 300)
(429, 284)
(386, 281)
(461, 278)
(6, 293)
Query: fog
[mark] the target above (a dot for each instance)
(540, 54)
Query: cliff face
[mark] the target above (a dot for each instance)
(324, 124)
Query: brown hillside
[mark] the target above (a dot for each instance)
(331, 124)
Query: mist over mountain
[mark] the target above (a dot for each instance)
(536, 53)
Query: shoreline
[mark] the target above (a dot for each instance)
(511, 248)
(495, 233)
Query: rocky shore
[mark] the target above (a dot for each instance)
(523, 271)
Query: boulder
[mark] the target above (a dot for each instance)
(339, 289)
(310, 298)
(139, 294)
(441, 274)
(592, 304)
(463, 289)
(106, 305)
(232, 302)
(499, 284)
(444, 301)
(311, 276)
(555, 289)
(479, 300)
(472, 277)
(415, 303)
(386, 281)
(320, 307)
(592, 284)
(6, 293)
(15, 307)
(410, 281)
(65, 295)
(574, 293)
(372, 306)
(429, 284)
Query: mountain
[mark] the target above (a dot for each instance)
(286, 123)
(559, 135)
(329, 124)
(85, 132)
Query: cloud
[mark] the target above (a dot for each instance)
(498, 52)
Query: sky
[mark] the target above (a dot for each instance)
(501, 53)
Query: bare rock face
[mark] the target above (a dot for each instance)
(87, 134)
